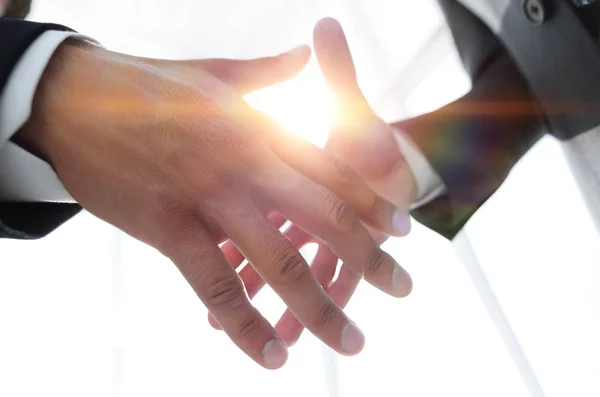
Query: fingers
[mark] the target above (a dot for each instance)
(360, 138)
(250, 277)
(323, 215)
(323, 267)
(252, 281)
(328, 171)
(377, 236)
(251, 75)
(290, 329)
(219, 287)
(234, 256)
(371, 150)
(280, 264)
(335, 60)
(253, 284)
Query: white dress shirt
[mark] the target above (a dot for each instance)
(25, 177)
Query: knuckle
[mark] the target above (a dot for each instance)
(175, 216)
(173, 227)
(343, 218)
(377, 262)
(326, 314)
(290, 267)
(344, 174)
(249, 328)
(376, 205)
(203, 180)
(225, 292)
(168, 209)
(211, 182)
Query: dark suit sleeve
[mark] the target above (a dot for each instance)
(26, 220)
(18, 8)
(474, 142)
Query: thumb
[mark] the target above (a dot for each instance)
(335, 60)
(250, 75)
(358, 136)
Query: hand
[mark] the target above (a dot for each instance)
(169, 153)
(323, 266)
(367, 144)
(359, 137)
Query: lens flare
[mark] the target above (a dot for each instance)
(303, 105)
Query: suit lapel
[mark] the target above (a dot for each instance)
(490, 11)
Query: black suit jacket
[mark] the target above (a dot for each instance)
(26, 220)
(524, 78)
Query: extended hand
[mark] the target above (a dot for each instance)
(367, 144)
(323, 266)
(170, 153)
(359, 137)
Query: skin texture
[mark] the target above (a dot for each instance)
(362, 140)
(168, 152)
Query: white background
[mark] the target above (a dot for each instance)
(91, 312)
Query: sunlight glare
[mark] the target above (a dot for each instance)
(304, 105)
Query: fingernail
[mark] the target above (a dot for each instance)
(275, 354)
(401, 222)
(353, 340)
(401, 282)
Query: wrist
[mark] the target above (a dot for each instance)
(53, 98)
(397, 184)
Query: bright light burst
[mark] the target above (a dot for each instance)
(304, 105)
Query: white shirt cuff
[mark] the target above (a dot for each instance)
(429, 184)
(23, 176)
